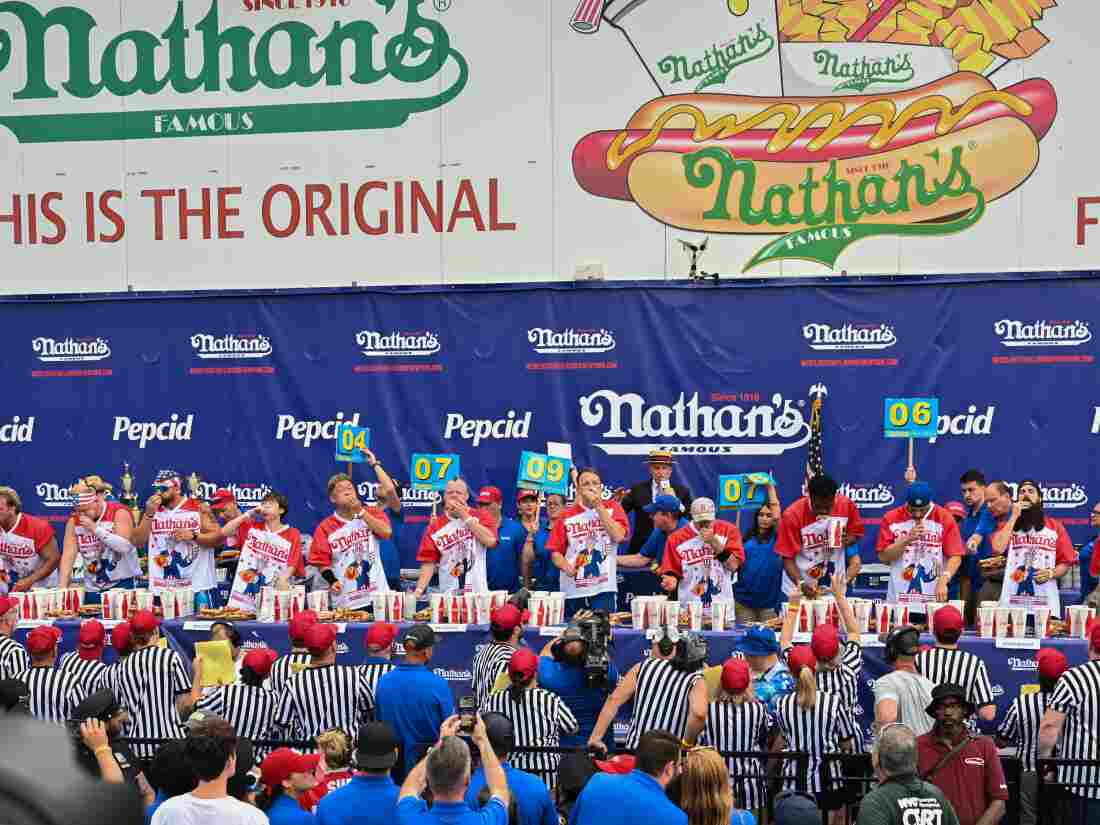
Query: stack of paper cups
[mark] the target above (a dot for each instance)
(863, 615)
(410, 606)
(821, 612)
(144, 599)
(672, 614)
(987, 621)
(1003, 616)
(1079, 615)
(282, 605)
(298, 599)
(378, 601)
(654, 611)
(637, 613)
(500, 598)
(318, 601)
(167, 604)
(266, 607)
(558, 602)
(695, 608)
(718, 609)
(1019, 622)
(483, 608)
(1042, 621)
(439, 608)
(43, 602)
(185, 600)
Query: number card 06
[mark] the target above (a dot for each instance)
(910, 417)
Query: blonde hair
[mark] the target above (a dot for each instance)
(743, 697)
(96, 483)
(12, 498)
(336, 747)
(807, 688)
(705, 793)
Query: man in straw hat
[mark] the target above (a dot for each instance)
(646, 492)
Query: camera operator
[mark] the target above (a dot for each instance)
(97, 723)
(564, 670)
(668, 690)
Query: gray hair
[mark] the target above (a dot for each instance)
(449, 766)
(896, 750)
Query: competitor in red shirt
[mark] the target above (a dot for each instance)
(459, 539)
(803, 537)
(28, 547)
(359, 551)
(921, 542)
(269, 516)
(99, 530)
(225, 509)
(702, 559)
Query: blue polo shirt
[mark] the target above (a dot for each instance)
(414, 811)
(502, 563)
(977, 520)
(567, 681)
(634, 799)
(1088, 581)
(533, 803)
(654, 546)
(365, 800)
(759, 583)
(286, 811)
(415, 702)
(546, 576)
(389, 550)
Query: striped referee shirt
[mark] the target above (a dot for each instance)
(54, 693)
(147, 683)
(13, 658)
(323, 698)
(374, 669)
(250, 710)
(817, 731)
(1077, 695)
(490, 661)
(660, 700)
(285, 667)
(90, 674)
(1021, 727)
(539, 718)
(945, 665)
(743, 727)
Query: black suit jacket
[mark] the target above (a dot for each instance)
(637, 498)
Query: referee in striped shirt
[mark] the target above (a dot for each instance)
(491, 660)
(86, 662)
(379, 642)
(13, 656)
(325, 695)
(737, 722)
(248, 706)
(151, 682)
(298, 658)
(1020, 728)
(946, 664)
(54, 693)
(1072, 712)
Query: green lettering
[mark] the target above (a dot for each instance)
(144, 79)
(238, 39)
(299, 72)
(407, 43)
(362, 34)
(176, 36)
(700, 175)
(78, 25)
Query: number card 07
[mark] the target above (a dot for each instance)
(737, 492)
(431, 471)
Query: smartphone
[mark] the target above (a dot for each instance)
(467, 709)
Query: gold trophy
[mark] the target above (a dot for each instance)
(129, 497)
(193, 482)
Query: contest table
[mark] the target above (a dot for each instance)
(1009, 669)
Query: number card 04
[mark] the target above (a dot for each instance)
(352, 443)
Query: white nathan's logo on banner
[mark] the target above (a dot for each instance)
(246, 494)
(145, 431)
(869, 496)
(570, 341)
(970, 422)
(397, 344)
(1058, 495)
(688, 427)
(1042, 333)
(410, 498)
(849, 336)
(17, 431)
(57, 496)
(287, 426)
(68, 350)
(208, 346)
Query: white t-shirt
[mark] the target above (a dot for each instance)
(912, 692)
(189, 809)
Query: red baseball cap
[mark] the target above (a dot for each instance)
(1052, 663)
(522, 494)
(955, 508)
(736, 675)
(947, 620)
(280, 764)
(381, 635)
(801, 656)
(299, 625)
(143, 622)
(91, 640)
(507, 617)
(7, 604)
(523, 663)
(319, 637)
(825, 643)
(120, 637)
(490, 495)
(260, 660)
(221, 498)
(43, 639)
(623, 764)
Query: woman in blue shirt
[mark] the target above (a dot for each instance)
(285, 776)
(758, 589)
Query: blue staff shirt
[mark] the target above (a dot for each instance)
(286, 811)
(365, 800)
(977, 520)
(567, 681)
(414, 811)
(1088, 581)
(390, 552)
(759, 583)
(654, 546)
(502, 563)
(546, 576)
(415, 702)
(533, 803)
(634, 799)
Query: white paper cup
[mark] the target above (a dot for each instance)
(167, 605)
(637, 613)
(821, 612)
(654, 612)
(1003, 617)
(695, 609)
(43, 603)
(1079, 615)
(671, 617)
(721, 613)
(297, 599)
(557, 601)
(899, 615)
(378, 602)
(1042, 621)
(265, 610)
(439, 608)
(318, 601)
(1019, 622)
(144, 599)
(483, 606)
(187, 606)
(987, 621)
(537, 606)
(863, 615)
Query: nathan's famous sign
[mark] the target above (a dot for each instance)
(194, 74)
(867, 117)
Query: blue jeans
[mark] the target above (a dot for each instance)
(601, 601)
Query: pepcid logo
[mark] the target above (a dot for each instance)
(1058, 495)
(207, 346)
(247, 495)
(688, 427)
(70, 350)
(869, 496)
(476, 430)
(1042, 333)
(410, 498)
(309, 431)
(376, 344)
(849, 336)
(970, 422)
(570, 341)
(19, 431)
(144, 432)
(54, 496)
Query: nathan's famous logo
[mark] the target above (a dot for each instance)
(377, 344)
(1042, 333)
(688, 427)
(822, 173)
(1058, 495)
(231, 346)
(570, 341)
(221, 64)
(246, 494)
(53, 350)
(410, 496)
(859, 73)
(714, 66)
(57, 496)
(849, 336)
(869, 496)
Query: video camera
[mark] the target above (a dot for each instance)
(595, 631)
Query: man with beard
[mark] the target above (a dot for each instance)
(966, 768)
(1037, 549)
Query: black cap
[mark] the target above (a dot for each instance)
(419, 637)
(376, 747)
(501, 733)
(905, 641)
(101, 705)
(14, 696)
(948, 691)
